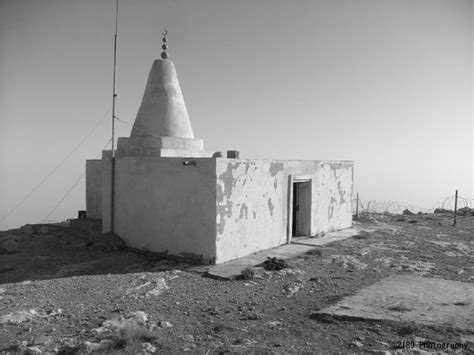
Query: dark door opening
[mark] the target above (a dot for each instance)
(301, 204)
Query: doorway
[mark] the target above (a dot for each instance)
(301, 207)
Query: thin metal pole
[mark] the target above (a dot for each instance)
(114, 97)
(357, 207)
(455, 207)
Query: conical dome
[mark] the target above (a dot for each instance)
(162, 112)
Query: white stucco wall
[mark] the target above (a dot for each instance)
(249, 207)
(332, 196)
(253, 199)
(163, 205)
(106, 191)
(94, 188)
(220, 208)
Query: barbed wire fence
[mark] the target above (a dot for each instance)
(382, 210)
(447, 203)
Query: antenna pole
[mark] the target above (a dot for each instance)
(114, 97)
(114, 94)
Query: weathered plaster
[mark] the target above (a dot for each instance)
(162, 205)
(271, 208)
(94, 188)
(259, 188)
(333, 193)
(275, 168)
(222, 208)
(244, 185)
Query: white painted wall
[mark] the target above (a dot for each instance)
(94, 188)
(249, 212)
(253, 199)
(332, 197)
(163, 205)
(220, 208)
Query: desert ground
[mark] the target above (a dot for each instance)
(66, 291)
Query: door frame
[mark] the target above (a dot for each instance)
(292, 178)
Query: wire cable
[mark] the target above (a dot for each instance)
(138, 129)
(56, 167)
(73, 186)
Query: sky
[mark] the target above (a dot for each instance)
(386, 83)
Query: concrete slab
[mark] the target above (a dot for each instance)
(232, 269)
(328, 238)
(411, 299)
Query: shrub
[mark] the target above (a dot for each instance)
(274, 263)
(247, 274)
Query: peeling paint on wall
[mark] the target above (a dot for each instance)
(219, 193)
(227, 179)
(332, 205)
(243, 211)
(275, 168)
(222, 212)
(258, 187)
(271, 207)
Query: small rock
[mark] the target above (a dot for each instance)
(32, 350)
(100, 330)
(139, 316)
(147, 347)
(105, 344)
(357, 344)
(165, 324)
(160, 287)
(188, 337)
(274, 323)
(407, 212)
(41, 339)
(18, 317)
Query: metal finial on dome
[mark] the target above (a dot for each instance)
(164, 46)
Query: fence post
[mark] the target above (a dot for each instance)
(455, 207)
(357, 207)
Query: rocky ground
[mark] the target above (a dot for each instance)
(62, 293)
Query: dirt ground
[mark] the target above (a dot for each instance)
(60, 293)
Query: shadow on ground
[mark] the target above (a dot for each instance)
(39, 252)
